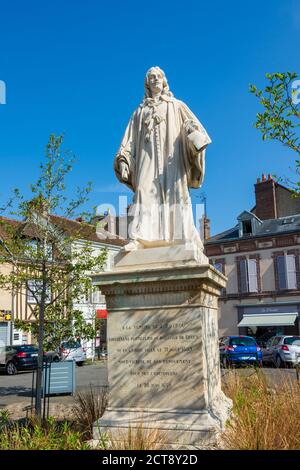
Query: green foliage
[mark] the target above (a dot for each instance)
(4, 417)
(279, 121)
(48, 263)
(34, 436)
(263, 418)
(280, 117)
(47, 260)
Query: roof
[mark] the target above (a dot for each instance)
(70, 227)
(87, 231)
(230, 234)
(265, 228)
(7, 226)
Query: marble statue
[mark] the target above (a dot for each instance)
(161, 156)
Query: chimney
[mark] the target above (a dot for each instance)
(39, 205)
(204, 228)
(265, 198)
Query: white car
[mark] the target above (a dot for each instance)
(282, 351)
(73, 350)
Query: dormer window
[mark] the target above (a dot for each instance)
(288, 221)
(249, 224)
(247, 227)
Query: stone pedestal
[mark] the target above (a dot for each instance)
(163, 356)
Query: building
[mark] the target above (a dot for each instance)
(20, 305)
(260, 257)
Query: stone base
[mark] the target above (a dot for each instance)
(182, 429)
(163, 355)
(187, 254)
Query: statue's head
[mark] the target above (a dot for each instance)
(156, 81)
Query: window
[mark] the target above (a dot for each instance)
(219, 267)
(97, 297)
(219, 264)
(275, 341)
(33, 249)
(242, 341)
(247, 227)
(295, 340)
(35, 290)
(286, 272)
(248, 275)
(291, 220)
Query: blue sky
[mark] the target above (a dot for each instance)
(77, 67)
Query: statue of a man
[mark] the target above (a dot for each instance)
(161, 156)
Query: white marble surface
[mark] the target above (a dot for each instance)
(161, 156)
(163, 357)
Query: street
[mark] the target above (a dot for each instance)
(15, 391)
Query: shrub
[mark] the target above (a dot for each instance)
(263, 418)
(89, 407)
(34, 436)
(139, 438)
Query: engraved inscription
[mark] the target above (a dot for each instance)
(151, 354)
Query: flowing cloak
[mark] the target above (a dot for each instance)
(163, 162)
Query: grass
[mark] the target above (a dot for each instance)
(139, 438)
(263, 418)
(89, 407)
(34, 436)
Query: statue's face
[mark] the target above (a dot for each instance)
(155, 81)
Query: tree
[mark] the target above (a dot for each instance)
(50, 266)
(280, 118)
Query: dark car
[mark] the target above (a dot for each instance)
(242, 350)
(22, 357)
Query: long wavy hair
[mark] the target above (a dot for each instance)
(165, 91)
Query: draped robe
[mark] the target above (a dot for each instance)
(163, 163)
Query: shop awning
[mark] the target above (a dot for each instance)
(283, 319)
(101, 313)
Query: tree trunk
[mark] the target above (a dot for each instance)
(39, 378)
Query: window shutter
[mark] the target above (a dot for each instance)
(243, 275)
(252, 275)
(291, 272)
(281, 272)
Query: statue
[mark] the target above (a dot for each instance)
(161, 156)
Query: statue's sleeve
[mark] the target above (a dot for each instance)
(195, 140)
(126, 153)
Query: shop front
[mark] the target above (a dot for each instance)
(101, 333)
(263, 322)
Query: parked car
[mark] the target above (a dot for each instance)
(239, 350)
(22, 357)
(73, 350)
(282, 351)
(15, 358)
(263, 339)
(52, 356)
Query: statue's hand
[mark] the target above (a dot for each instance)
(124, 171)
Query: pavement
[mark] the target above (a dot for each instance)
(275, 377)
(16, 390)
